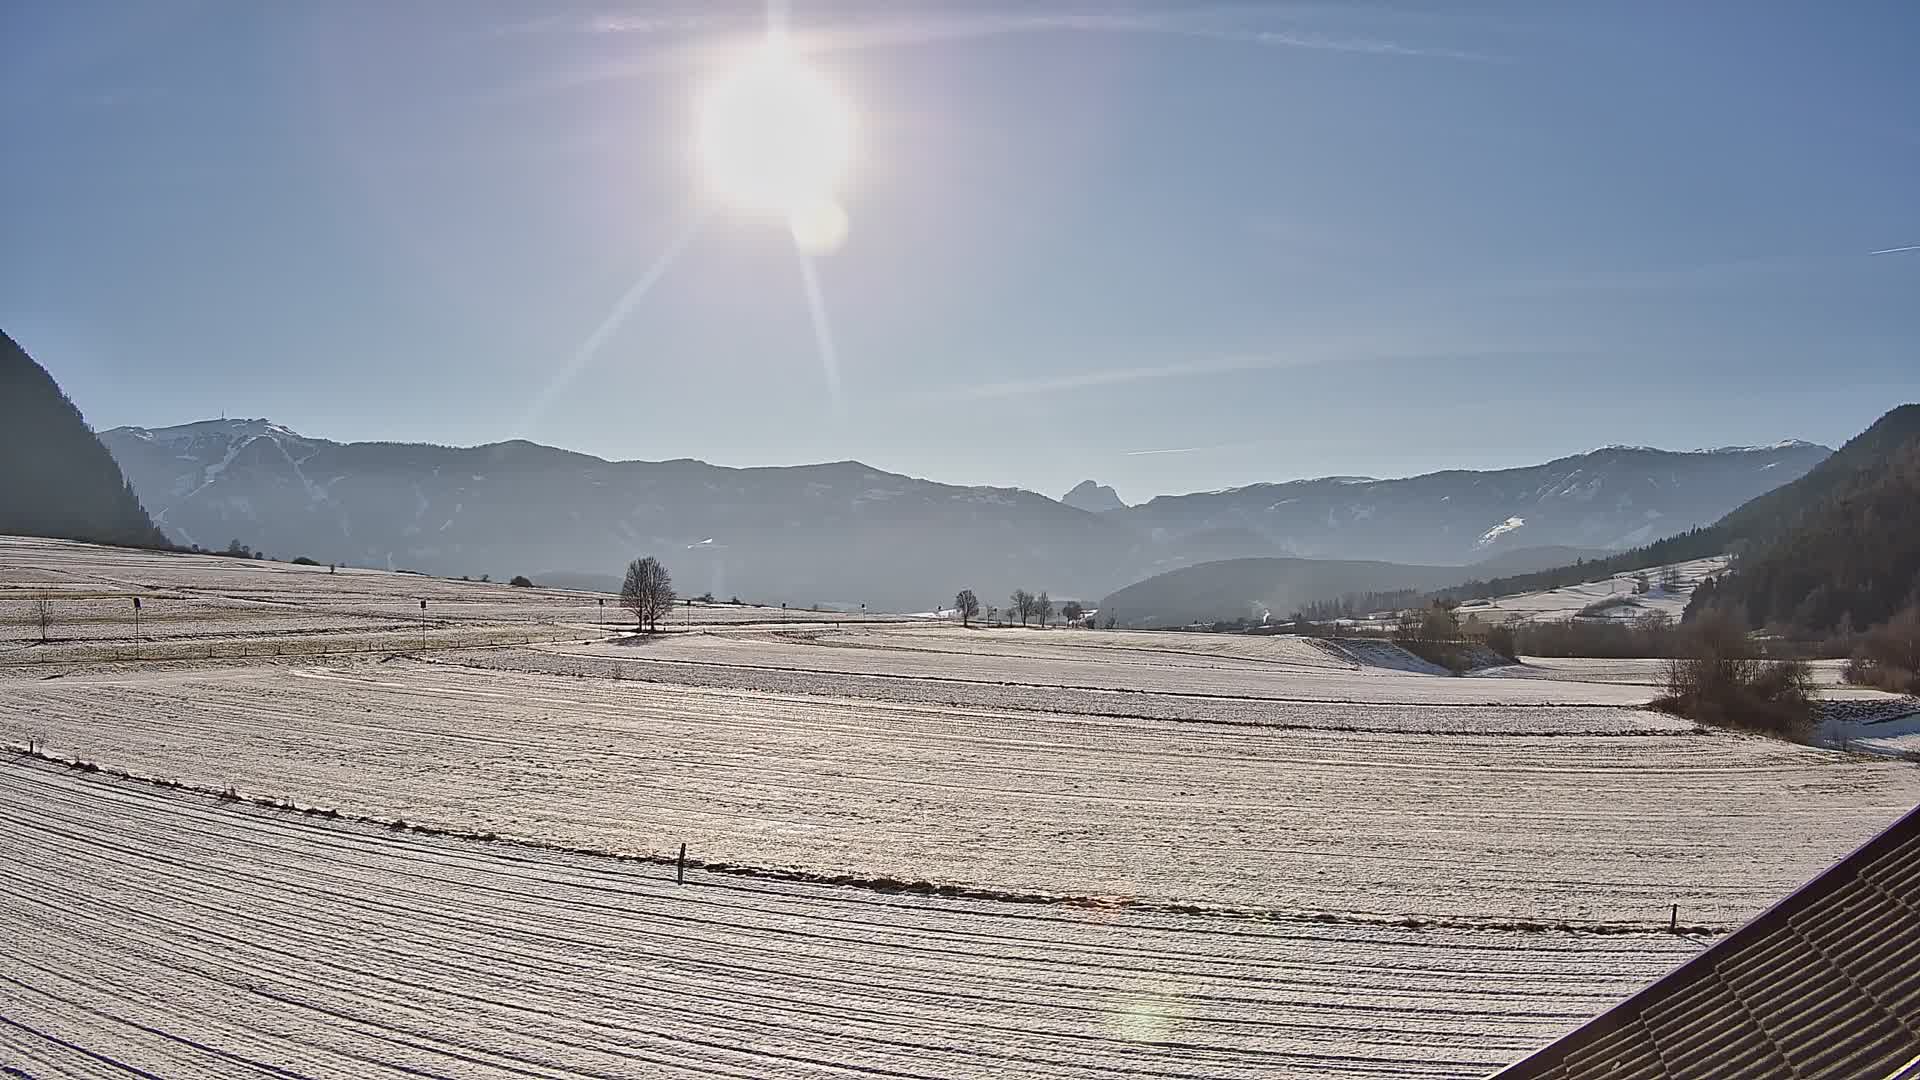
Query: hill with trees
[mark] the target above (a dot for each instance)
(1265, 589)
(1829, 561)
(56, 479)
(1751, 529)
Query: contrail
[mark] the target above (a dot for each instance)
(611, 323)
(822, 332)
(1175, 450)
(1892, 251)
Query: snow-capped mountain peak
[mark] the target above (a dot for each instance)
(230, 430)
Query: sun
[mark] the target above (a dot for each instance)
(775, 138)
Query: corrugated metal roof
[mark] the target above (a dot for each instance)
(1826, 984)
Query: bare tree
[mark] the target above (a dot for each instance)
(968, 605)
(1671, 581)
(1021, 604)
(43, 614)
(647, 591)
(1043, 609)
(1072, 612)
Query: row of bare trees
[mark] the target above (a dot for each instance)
(1022, 605)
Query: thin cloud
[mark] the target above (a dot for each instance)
(1344, 353)
(697, 35)
(1192, 25)
(1895, 250)
(1209, 448)
(1114, 377)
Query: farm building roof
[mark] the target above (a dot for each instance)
(1826, 983)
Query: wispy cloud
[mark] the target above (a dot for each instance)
(1179, 24)
(1895, 250)
(1345, 352)
(1208, 448)
(689, 40)
(1007, 388)
(1172, 450)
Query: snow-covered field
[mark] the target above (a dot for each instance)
(198, 606)
(1554, 605)
(1050, 660)
(958, 852)
(158, 933)
(1582, 814)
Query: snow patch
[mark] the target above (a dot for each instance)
(1501, 530)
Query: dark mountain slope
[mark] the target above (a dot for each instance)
(1846, 560)
(55, 477)
(1851, 498)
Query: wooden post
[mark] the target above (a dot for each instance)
(1673, 921)
(680, 869)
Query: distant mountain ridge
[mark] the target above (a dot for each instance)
(56, 479)
(833, 533)
(1614, 497)
(845, 532)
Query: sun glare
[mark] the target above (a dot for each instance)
(776, 138)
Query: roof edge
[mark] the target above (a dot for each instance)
(1906, 827)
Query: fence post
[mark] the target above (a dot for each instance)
(680, 870)
(1673, 921)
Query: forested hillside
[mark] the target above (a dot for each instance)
(1806, 517)
(55, 478)
(1848, 562)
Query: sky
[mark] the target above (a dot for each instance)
(1166, 247)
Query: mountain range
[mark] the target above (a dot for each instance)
(847, 533)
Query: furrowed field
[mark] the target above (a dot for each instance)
(916, 850)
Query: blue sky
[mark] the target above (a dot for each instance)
(1284, 241)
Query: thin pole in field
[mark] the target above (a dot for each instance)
(680, 868)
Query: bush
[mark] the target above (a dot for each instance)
(1501, 640)
(1722, 681)
(304, 561)
(1607, 606)
(1888, 656)
(521, 581)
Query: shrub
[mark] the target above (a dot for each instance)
(1723, 681)
(521, 581)
(1888, 656)
(1607, 606)
(1501, 640)
(304, 561)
